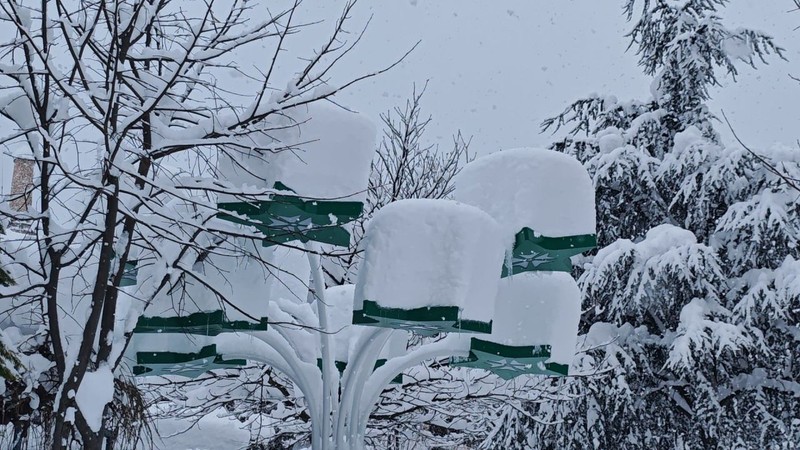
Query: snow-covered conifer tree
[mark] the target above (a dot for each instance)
(690, 334)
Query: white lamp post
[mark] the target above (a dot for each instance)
(430, 266)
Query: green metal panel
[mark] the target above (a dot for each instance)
(510, 361)
(186, 364)
(130, 271)
(286, 218)
(425, 320)
(129, 274)
(199, 323)
(533, 252)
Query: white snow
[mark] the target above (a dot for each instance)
(243, 281)
(216, 431)
(420, 253)
(610, 139)
(275, 286)
(538, 308)
(340, 316)
(336, 150)
(699, 329)
(396, 345)
(663, 244)
(687, 138)
(289, 273)
(96, 390)
(304, 341)
(737, 46)
(164, 342)
(663, 238)
(320, 152)
(544, 190)
(18, 108)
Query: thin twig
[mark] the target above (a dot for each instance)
(791, 182)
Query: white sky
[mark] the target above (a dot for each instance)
(496, 69)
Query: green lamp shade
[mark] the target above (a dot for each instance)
(533, 252)
(189, 365)
(199, 323)
(426, 320)
(129, 274)
(286, 218)
(508, 361)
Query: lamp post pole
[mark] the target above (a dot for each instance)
(329, 395)
(429, 266)
(348, 403)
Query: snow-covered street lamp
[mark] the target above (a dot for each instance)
(488, 272)
(429, 266)
(537, 316)
(543, 201)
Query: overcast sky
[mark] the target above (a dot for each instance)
(497, 69)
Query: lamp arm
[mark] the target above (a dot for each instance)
(451, 345)
(269, 349)
(367, 350)
(329, 395)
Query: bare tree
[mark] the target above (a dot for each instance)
(406, 166)
(5, 278)
(123, 108)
